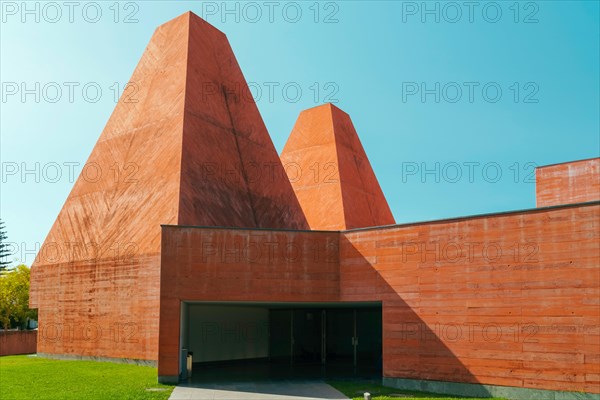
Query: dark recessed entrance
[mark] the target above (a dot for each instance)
(254, 341)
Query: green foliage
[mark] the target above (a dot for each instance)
(26, 377)
(14, 298)
(4, 248)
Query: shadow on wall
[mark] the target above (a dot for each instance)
(413, 348)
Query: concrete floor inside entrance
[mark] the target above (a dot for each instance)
(266, 370)
(281, 390)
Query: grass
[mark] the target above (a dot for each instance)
(30, 377)
(355, 390)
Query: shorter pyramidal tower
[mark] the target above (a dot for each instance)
(331, 174)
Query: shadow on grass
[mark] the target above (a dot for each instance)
(356, 389)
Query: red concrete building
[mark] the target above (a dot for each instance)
(187, 231)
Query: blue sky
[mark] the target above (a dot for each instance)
(476, 95)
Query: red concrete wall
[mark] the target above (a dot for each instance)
(507, 299)
(233, 265)
(572, 182)
(17, 342)
(102, 308)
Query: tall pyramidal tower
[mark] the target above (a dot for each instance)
(185, 149)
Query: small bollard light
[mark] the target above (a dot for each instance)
(367, 396)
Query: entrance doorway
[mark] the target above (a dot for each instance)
(327, 336)
(283, 340)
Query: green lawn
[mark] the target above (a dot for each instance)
(30, 377)
(27, 377)
(355, 390)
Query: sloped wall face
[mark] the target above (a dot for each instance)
(506, 300)
(231, 174)
(573, 182)
(95, 280)
(204, 264)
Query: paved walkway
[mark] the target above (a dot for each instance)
(283, 390)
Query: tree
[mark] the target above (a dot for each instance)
(4, 248)
(14, 298)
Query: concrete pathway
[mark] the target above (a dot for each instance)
(283, 390)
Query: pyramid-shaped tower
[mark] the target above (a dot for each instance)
(331, 174)
(185, 148)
